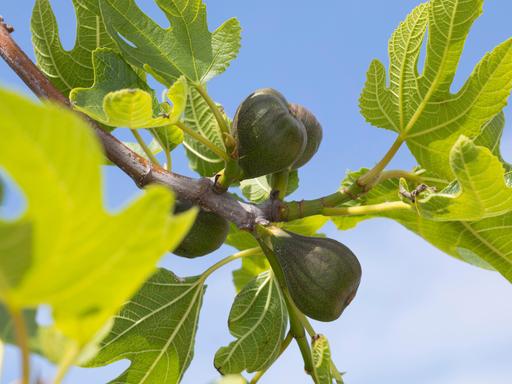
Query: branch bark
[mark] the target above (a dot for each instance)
(198, 191)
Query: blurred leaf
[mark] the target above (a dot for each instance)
(185, 48)
(480, 190)
(155, 330)
(66, 250)
(200, 118)
(258, 190)
(68, 69)
(258, 320)
(420, 107)
(231, 379)
(7, 333)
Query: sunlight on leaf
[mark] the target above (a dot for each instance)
(66, 250)
(187, 47)
(420, 107)
(68, 69)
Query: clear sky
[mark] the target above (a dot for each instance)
(420, 316)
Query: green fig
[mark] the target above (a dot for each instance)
(269, 138)
(322, 275)
(313, 132)
(207, 234)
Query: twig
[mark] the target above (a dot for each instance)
(20, 330)
(145, 147)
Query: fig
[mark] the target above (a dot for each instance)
(207, 234)
(321, 274)
(313, 133)
(269, 138)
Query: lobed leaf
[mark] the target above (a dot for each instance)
(66, 250)
(74, 68)
(155, 330)
(420, 107)
(258, 320)
(186, 48)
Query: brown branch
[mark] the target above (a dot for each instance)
(197, 191)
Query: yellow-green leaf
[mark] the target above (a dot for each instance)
(66, 250)
(479, 192)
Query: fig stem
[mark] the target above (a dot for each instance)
(221, 121)
(168, 160)
(284, 345)
(367, 209)
(144, 147)
(230, 174)
(20, 330)
(280, 183)
(203, 140)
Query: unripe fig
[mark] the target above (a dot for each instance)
(313, 132)
(207, 234)
(269, 138)
(322, 275)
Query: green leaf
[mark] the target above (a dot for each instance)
(185, 48)
(120, 98)
(485, 243)
(200, 118)
(258, 190)
(66, 251)
(155, 330)
(258, 320)
(480, 190)
(251, 267)
(231, 379)
(68, 69)
(322, 359)
(420, 107)
(490, 137)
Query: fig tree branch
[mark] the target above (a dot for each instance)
(198, 191)
(203, 192)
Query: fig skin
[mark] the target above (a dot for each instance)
(321, 274)
(207, 234)
(269, 138)
(314, 133)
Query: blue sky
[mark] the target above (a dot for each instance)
(420, 316)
